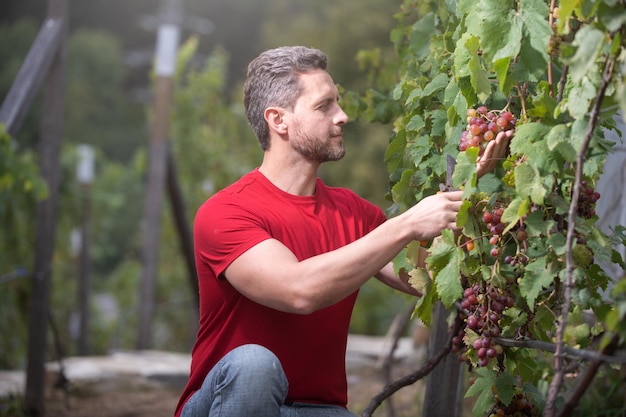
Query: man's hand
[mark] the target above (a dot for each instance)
(494, 151)
(434, 214)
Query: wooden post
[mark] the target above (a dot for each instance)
(84, 175)
(49, 151)
(167, 44)
(444, 385)
(34, 69)
(184, 232)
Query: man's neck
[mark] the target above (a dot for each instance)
(297, 178)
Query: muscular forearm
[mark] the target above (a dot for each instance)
(270, 274)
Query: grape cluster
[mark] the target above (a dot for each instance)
(493, 220)
(482, 306)
(587, 200)
(520, 406)
(483, 125)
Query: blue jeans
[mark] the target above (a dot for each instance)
(250, 382)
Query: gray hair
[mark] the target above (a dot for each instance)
(272, 80)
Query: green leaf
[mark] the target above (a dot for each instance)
(528, 183)
(416, 123)
(505, 387)
(420, 35)
(489, 183)
(580, 97)
(536, 35)
(560, 138)
(455, 102)
(491, 21)
(516, 209)
(401, 262)
(535, 279)
(424, 304)
(537, 225)
(394, 153)
(478, 77)
(463, 53)
(589, 41)
(557, 242)
(544, 104)
(485, 380)
(420, 280)
(418, 150)
(566, 9)
(444, 262)
(501, 68)
(403, 187)
(530, 140)
(465, 169)
(438, 83)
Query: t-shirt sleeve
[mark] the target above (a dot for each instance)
(223, 231)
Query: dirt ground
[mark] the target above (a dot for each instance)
(158, 399)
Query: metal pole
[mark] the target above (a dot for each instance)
(167, 45)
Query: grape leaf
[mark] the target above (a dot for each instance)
(491, 21)
(402, 187)
(401, 262)
(395, 151)
(419, 149)
(528, 183)
(416, 123)
(589, 42)
(536, 35)
(489, 183)
(454, 101)
(485, 380)
(438, 119)
(529, 141)
(536, 224)
(501, 68)
(424, 305)
(444, 262)
(438, 83)
(463, 54)
(516, 209)
(559, 138)
(565, 11)
(420, 280)
(478, 77)
(465, 168)
(420, 35)
(535, 279)
(579, 98)
(544, 104)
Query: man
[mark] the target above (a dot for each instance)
(281, 256)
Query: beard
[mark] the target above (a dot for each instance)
(319, 149)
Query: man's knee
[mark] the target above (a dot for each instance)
(255, 362)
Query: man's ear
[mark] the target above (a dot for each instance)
(275, 119)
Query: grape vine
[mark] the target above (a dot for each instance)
(527, 265)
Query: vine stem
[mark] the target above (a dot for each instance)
(551, 23)
(555, 385)
(573, 353)
(576, 395)
(413, 377)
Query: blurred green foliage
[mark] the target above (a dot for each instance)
(212, 145)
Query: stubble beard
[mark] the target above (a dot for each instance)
(318, 149)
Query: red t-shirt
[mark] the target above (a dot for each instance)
(310, 347)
